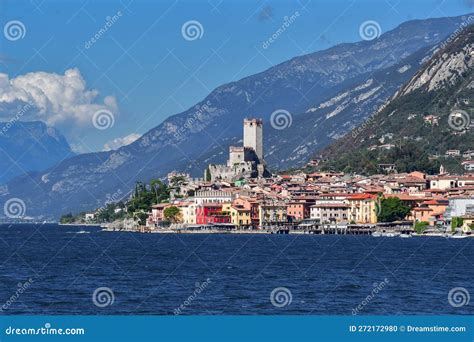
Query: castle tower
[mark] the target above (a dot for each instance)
(253, 136)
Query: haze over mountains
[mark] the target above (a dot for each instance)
(30, 146)
(326, 93)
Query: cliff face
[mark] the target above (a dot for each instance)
(432, 113)
(326, 93)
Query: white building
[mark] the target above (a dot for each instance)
(459, 206)
(212, 196)
(89, 216)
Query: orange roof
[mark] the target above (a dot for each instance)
(436, 202)
(405, 197)
(335, 194)
(422, 209)
(332, 205)
(361, 196)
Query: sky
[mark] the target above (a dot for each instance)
(106, 72)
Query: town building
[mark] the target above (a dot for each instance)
(245, 161)
(272, 213)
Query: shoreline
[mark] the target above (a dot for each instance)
(80, 224)
(266, 232)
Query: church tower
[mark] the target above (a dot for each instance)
(253, 136)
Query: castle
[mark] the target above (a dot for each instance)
(244, 161)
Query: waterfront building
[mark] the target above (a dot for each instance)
(189, 213)
(431, 211)
(459, 206)
(239, 214)
(157, 214)
(363, 208)
(202, 197)
(272, 213)
(321, 196)
(331, 212)
(211, 213)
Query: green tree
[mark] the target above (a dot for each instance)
(172, 214)
(141, 217)
(421, 226)
(68, 218)
(208, 175)
(177, 181)
(392, 209)
(456, 222)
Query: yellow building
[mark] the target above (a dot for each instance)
(363, 208)
(188, 213)
(468, 221)
(239, 214)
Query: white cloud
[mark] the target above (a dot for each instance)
(59, 99)
(119, 142)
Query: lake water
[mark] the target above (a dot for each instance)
(168, 274)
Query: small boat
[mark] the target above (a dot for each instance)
(391, 234)
(376, 234)
(83, 232)
(457, 236)
(404, 236)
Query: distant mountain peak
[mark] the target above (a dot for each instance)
(30, 146)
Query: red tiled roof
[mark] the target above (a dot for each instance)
(360, 196)
(332, 205)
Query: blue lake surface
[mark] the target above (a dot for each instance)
(165, 274)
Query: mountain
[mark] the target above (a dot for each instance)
(29, 146)
(308, 87)
(432, 113)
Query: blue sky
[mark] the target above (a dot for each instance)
(144, 62)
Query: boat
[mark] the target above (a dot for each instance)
(404, 236)
(457, 236)
(376, 234)
(391, 234)
(83, 232)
